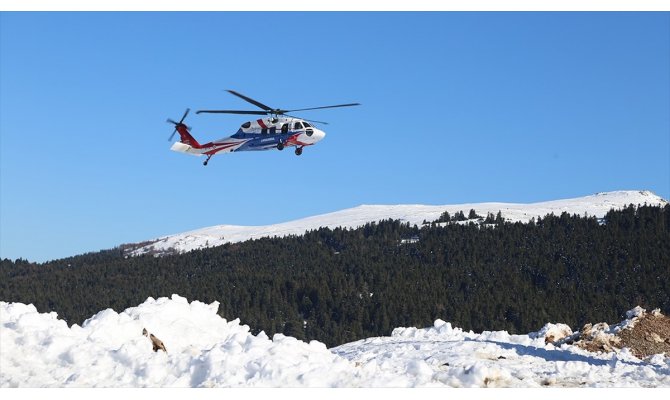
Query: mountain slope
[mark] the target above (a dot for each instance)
(595, 205)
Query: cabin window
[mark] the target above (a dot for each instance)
(246, 125)
(297, 125)
(273, 130)
(284, 128)
(264, 131)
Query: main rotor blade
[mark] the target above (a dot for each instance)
(233, 112)
(171, 136)
(308, 120)
(250, 100)
(319, 108)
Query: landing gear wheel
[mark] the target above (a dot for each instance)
(207, 160)
(298, 151)
(280, 146)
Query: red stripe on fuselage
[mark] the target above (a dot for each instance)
(260, 122)
(222, 147)
(293, 141)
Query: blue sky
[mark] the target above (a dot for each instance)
(456, 107)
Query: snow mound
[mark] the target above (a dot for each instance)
(109, 350)
(205, 350)
(446, 356)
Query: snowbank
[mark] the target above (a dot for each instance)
(109, 350)
(205, 350)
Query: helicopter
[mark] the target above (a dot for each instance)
(277, 130)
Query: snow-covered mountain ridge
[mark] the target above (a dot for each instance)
(595, 205)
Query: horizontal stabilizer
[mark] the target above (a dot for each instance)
(184, 148)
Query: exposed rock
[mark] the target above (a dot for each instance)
(552, 333)
(156, 342)
(597, 337)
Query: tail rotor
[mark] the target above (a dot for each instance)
(177, 124)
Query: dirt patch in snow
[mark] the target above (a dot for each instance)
(650, 335)
(644, 333)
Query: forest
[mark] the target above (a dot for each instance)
(341, 285)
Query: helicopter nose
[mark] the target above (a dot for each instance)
(318, 135)
(312, 135)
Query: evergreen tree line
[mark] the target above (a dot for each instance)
(340, 285)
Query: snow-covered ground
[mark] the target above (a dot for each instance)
(595, 205)
(205, 350)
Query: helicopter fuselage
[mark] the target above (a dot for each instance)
(261, 134)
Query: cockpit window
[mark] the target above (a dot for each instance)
(297, 125)
(246, 125)
(306, 125)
